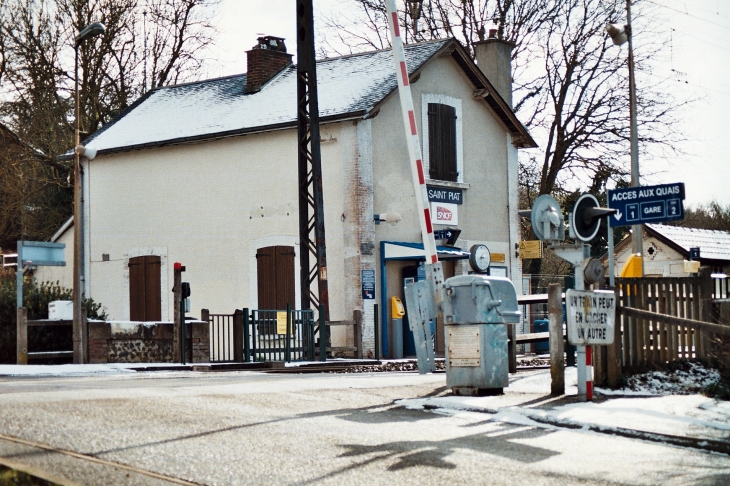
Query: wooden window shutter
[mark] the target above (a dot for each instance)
(153, 299)
(284, 276)
(266, 271)
(136, 289)
(275, 266)
(442, 142)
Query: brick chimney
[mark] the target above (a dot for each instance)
(494, 58)
(265, 60)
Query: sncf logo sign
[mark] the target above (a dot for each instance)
(443, 214)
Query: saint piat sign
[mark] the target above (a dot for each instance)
(590, 316)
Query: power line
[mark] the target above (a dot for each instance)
(689, 14)
(708, 11)
(702, 40)
(674, 79)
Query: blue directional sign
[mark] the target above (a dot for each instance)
(646, 204)
(443, 234)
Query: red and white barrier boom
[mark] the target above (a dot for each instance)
(434, 272)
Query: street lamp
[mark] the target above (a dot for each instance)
(414, 11)
(620, 35)
(86, 33)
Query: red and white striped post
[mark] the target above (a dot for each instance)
(414, 145)
(434, 271)
(589, 373)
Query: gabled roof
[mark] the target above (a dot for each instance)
(64, 227)
(713, 244)
(348, 86)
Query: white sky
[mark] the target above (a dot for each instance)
(699, 61)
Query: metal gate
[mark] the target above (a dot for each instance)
(263, 335)
(271, 335)
(221, 337)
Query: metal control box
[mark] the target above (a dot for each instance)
(477, 310)
(61, 310)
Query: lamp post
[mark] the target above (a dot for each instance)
(621, 35)
(86, 33)
(414, 11)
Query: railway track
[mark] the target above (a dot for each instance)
(36, 472)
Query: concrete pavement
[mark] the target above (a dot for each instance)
(255, 428)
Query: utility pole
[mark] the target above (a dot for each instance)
(313, 252)
(638, 232)
(79, 355)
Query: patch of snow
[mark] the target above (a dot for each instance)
(539, 382)
(687, 379)
(76, 369)
(672, 415)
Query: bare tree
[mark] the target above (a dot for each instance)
(165, 38)
(570, 82)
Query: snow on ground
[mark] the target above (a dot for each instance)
(679, 415)
(687, 378)
(76, 369)
(526, 402)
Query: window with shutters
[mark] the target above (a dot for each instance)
(275, 273)
(442, 142)
(145, 303)
(442, 137)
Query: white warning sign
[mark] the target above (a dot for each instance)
(590, 316)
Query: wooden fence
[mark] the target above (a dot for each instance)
(659, 321)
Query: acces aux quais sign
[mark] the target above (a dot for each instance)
(590, 316)
(646, 204)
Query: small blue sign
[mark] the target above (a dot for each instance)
(443, 234)
(646, 204)
(41, 253)
(368, 284)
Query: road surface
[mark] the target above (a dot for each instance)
(238, 428)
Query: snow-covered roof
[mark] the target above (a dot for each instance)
(347, 86)
(714, 245)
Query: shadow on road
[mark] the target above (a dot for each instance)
(435, 453)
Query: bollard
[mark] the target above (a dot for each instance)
(557, 365)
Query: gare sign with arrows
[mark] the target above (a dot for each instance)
(646, 204)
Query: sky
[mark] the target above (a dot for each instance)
(696, 67)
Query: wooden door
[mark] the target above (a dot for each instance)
(145, 302)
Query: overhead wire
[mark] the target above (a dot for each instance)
(689, 14)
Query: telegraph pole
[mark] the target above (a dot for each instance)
(313, 253)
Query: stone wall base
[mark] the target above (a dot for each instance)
(145, 342)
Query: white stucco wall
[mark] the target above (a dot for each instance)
(485, 215)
